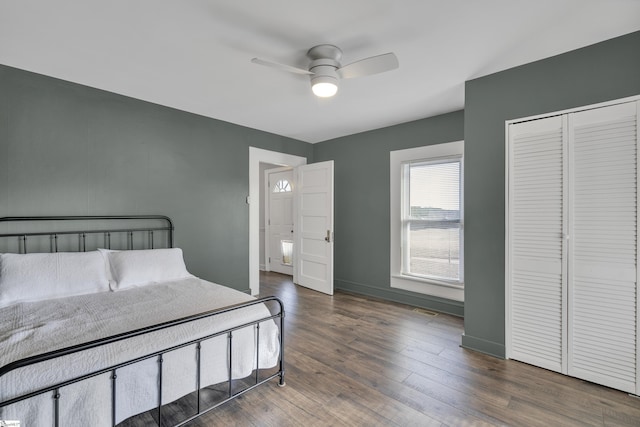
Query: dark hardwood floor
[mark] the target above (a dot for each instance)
(357, 361)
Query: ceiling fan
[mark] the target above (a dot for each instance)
(325, 70)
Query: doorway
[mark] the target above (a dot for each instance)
(256, 157)
(313, 241)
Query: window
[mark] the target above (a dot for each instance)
(427, 220)
(282, 186)
(431, 219)
(286, 246)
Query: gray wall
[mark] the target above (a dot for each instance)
(362, 204)
(602, 72)
(70, 149)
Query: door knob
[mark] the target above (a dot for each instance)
(328, 237)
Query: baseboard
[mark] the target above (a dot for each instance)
(483, 346)
(262, 267)
(442, 305)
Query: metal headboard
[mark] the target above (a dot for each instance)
(129, 230)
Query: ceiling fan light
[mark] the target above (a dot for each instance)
(324, 86)
(324, 90)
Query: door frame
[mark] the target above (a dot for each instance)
(257, 156)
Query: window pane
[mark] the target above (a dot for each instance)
(287, 251)
(435, 191)
(282, 186)
(434, 252)
(433, 241)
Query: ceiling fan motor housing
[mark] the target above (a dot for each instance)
(324, 73)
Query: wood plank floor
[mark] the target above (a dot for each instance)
(356, 361)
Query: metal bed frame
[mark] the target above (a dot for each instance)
(107, 232)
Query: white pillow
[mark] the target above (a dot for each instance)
(41, 276)
(144, 267)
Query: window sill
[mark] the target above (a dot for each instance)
(431, 287)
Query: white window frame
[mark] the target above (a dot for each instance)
(439, 288)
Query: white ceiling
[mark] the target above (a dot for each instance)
(194, 55)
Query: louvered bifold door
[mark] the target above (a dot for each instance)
(602, 281)
(536, 244)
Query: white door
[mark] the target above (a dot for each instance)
(279, 220)
(314, 226)
(603, 250)
(537, 225)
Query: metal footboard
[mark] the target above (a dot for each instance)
(231, 394)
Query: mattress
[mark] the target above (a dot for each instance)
(31, 328)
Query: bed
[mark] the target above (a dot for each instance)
(120, 327)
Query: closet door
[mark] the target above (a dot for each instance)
(537, 221)
(602, 282)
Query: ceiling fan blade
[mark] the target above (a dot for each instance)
(282, 67)
(368, 66)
